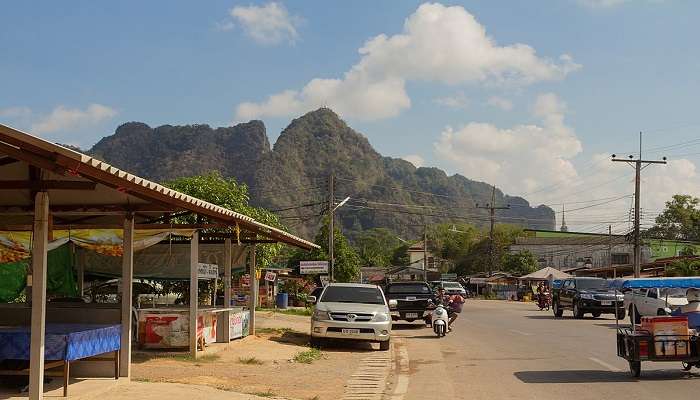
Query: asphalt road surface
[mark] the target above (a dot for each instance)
(504, 350)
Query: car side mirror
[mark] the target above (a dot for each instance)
(312, 299)
(393, 303)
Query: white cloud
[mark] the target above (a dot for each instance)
(63, 118)
(375, 87)
(414, 159)
(15, 112)
(521, 158)
(267, 24)
(457, 101)
(500, 102)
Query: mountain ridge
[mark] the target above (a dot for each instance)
(292, 174)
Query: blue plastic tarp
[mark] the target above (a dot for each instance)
(661, 283)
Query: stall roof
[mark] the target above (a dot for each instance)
(661, 283)
(544, 274)
(106, 193)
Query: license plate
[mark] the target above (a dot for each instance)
(411, 298)
(606, 303)
(412, 315)
(350, 331)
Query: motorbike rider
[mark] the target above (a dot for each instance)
(451, 305)
(692, 309)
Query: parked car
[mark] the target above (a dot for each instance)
(587, 295)
(351, 311)
(412, 299)
(452, 287)
(649, 302)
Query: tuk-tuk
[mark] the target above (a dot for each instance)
(635, 344)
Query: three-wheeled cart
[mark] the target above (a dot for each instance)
(636, 345)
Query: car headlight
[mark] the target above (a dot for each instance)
(320, 315)
(381, 317)
(620, 297)
(587, 296)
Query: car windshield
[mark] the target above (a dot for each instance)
(349, 294)
(678, 293)
(409, 288)
(451, 285)
(591, 284)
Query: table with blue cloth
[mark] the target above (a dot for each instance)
(63, 343)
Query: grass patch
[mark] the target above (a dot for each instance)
(308, 356)
(269, 393)
(305, 312)
(204, 358)
(143, 379)
(268, 331)
(250, 361)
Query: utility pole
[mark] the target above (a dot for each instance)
(492, 210)
(425, 251)
(610, 251)
(331, 228)
(639, 164)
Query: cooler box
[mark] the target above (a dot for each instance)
(670, 334)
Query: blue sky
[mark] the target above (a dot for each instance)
(530, 121)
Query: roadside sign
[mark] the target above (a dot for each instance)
(245, 280)
(324, 280)
(313, 267)
(447, 277)
(207, 271)
(270, 276)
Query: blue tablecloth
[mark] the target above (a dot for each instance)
(63, 341)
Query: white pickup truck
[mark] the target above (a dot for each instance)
(650, 302)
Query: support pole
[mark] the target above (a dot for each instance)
(331, 223)
(127, 290)
(194, 291)
(425, 252)
(228, 260)
(253, 301)
(40, 243)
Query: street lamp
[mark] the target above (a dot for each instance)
(331, 234)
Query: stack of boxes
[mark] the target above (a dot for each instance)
(670, 335)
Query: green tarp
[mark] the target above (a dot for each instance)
(60, 279)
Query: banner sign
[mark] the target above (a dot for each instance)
(447, 277)
(270, 276)
(208, 271)
(313, 267)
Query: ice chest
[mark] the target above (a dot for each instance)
(670, 334)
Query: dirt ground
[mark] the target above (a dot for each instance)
(263, 364)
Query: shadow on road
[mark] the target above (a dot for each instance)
(565, 317)
(596, 376)
(407, 327)
(613, 326)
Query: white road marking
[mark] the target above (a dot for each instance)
(612, 368)
(520, 332)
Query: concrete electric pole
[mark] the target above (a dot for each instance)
(331, 229)
(639, 164)
(492, 210)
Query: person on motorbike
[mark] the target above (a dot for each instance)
(450, 305)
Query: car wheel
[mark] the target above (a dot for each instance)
(635, 318)
(316, 342)
(558, 312)
(660, 311)
(621, 314)
(578, 313)
(385, 345)
(596, 314)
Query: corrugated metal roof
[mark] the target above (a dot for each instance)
(34, 150)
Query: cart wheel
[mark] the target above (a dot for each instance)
(635, 368)
(686, 366)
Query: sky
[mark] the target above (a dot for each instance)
(532, 96)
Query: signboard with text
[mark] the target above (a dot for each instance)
(270, 276)
(208, 271)
(313, 267)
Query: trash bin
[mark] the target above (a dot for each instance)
(282, 300)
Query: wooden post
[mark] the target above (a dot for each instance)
(80, 268)
(127, 291)
(40, 241)
(194, 291)
(228, 260)
(253, 302)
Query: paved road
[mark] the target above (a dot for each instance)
(501, 350)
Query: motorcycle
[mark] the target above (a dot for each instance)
(544, 301)
(439, 320)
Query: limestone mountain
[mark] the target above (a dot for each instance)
(292, 177)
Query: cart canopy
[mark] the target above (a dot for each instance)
(661, 283)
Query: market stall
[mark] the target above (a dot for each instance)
(46, 190)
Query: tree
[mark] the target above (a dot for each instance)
(228, 193)
(684, 268)
(376, 247)
(520, 263)
(680, 219)
(347, 262)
